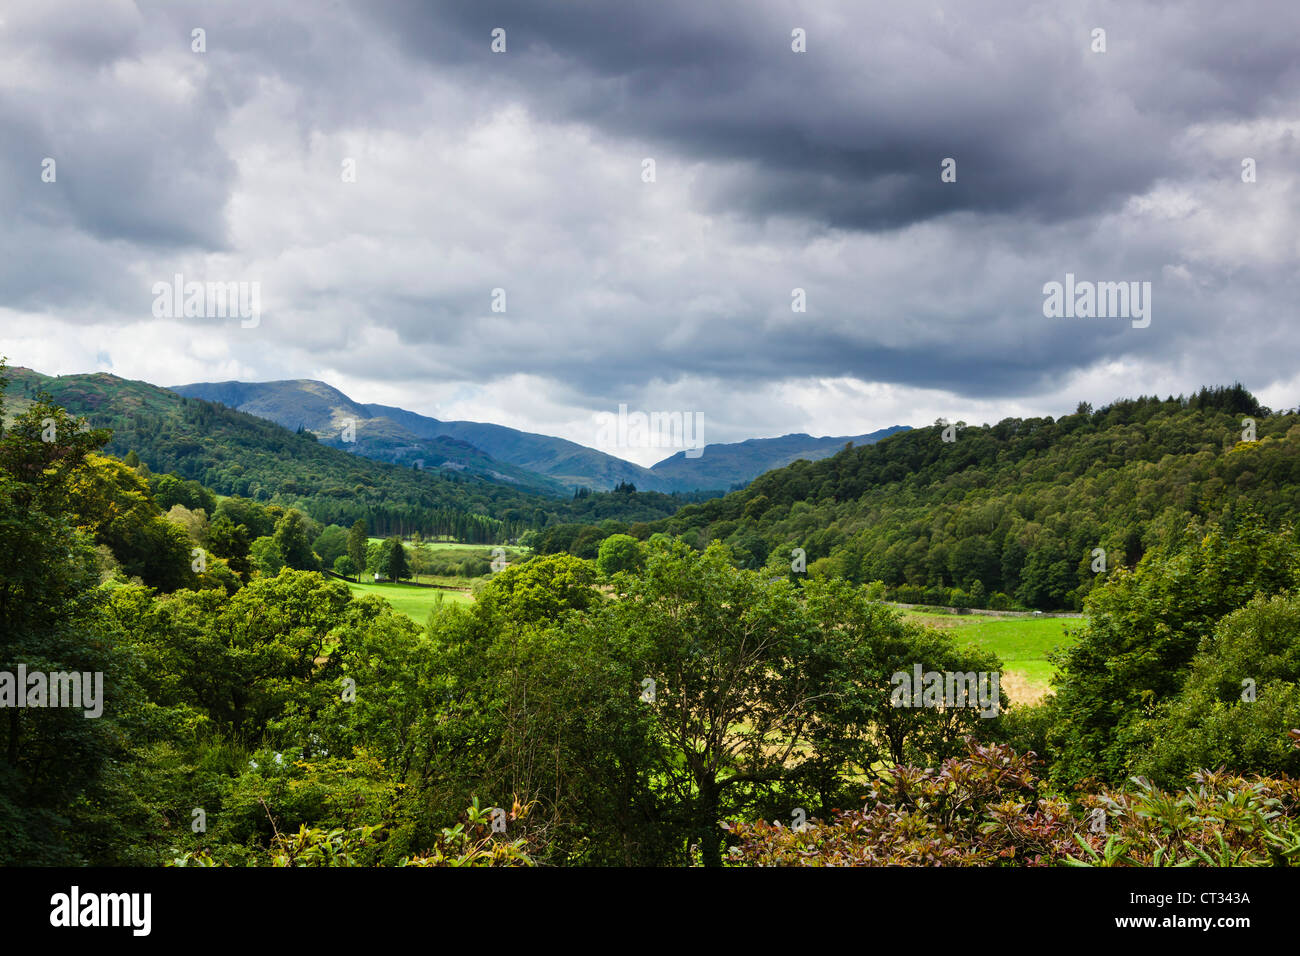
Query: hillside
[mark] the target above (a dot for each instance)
(398, 435)
(1012, 512)
(395, 434)
(341, 423)
(235, 453)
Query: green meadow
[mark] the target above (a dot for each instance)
(413, 600)
(1023, 643)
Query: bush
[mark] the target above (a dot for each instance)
(989, 809)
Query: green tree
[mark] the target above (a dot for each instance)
(392, 561)
(112, 503)
(331, 543)
(419, 561)
(53, 758)
(1144, 628)
(230, 541)
(265, 555)
(732, 703)
(1241, 697)
(357, 543)
(619, 552)
(292, 542)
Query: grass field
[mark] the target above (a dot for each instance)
(1022, 643)
(412, 600)
(435, 547)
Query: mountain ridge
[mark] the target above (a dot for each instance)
(319, 406)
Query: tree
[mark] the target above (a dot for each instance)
(266, 556)
(195, 523)
(392, 562)
(732, 703)
(1144, 629)
(230, 541)
(619, 552)
(52, 759)
(419, 560)
(374, 557)
(537, 700)
(291, 539)
(330, 543)
(344, 566)
(1241, 697)
(113, 504)
(357, 542)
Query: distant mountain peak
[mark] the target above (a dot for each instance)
(395, 434)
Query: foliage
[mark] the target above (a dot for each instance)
(619, 552)
(1018, 507)
(470, 843)
(990, 809)
(1144, 629)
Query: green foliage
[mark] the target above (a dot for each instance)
(292, 540)
(1241, 695)
(331, 544)
(470, 843)
(232, 453)
(266, 556)
(230, 542)
(392, 560)
(51, 758)
(169, 490)
(1145, 627)
(616, 708)
(1018, 506)
(619, 552)
(112, 504)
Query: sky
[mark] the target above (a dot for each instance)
(476, 233)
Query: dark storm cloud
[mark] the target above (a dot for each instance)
(851, 134)
(146, 169)
(776, 170)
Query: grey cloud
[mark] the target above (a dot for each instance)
(930, 285)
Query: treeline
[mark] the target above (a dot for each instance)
(615, 712)
(1026, 513)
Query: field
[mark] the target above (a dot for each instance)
(436, 547)
(1022, 643)
(411, 599)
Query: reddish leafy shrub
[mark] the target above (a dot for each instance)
(989, 809)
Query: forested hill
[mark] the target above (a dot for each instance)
(1017, 507)
(234, 453)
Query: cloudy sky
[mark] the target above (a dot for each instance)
(378, 170)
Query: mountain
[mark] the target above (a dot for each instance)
(726, 465)
(398, 435)
(341, 423)
(234, 453)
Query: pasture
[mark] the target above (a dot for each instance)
(413, 600)
(1022, 643)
